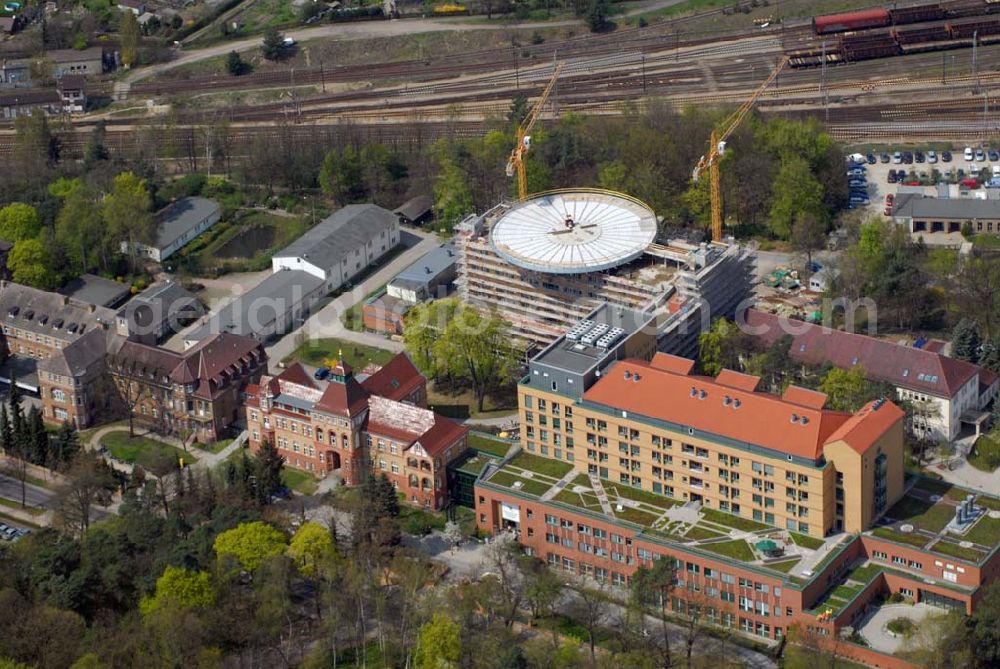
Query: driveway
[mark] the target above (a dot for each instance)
(326, 322)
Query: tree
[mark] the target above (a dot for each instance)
(965, 341)
(131, 34)
(31, 263)
(846, 389)
(311, 549)
(989, 356)
(597, 15)
(19, 221)
(37, 437)
(808, 234)
(590, 609)
(720, 346)
(126, 211)
(273, 47)
(182, 588)
(477, 349)
(65, 445)
(453, 533)
(89, 481)
(341, 175)
(423, 325)
(653, 586)
(797, 193)
(452, 197)
(439, 645)
(268, 464)
(81, 230)
(234, 64)
(250, 543)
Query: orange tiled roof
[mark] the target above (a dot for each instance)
(656, 391)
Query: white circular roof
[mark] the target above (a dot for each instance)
(574, 232)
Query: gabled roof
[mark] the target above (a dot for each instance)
(343, 399)
(179, 218)
(413, 425)
(348, 229)
(743, 416)
(898, 364)
(395, 380)
(728, 377)
(866, 426)
(296, 373)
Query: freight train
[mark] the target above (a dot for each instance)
(857, 36)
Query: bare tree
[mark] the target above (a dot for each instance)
(89, 482)
(590, 608)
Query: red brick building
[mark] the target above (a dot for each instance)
(346, 426)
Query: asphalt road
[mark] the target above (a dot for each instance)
(10, 488)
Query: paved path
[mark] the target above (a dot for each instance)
(873, 629)
(326, 322)
(205, 459)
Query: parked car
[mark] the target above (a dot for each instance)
(897, 158)
(889, 197)
(871, 159)
(967, 154)
(857, 182)
(884, 158)
(980, 156)
(932, 157)
(891, 177)
(919, 156)
(857, 198)
(946, 156)
(321, 373)
(908, 157)
(900, 175)
(970, 183)
(994, 156)
(855, 172)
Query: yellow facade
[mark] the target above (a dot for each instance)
(771, 488)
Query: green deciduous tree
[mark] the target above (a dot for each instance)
(797, 193)
(846, 389)
(131, 34)
(19, 221)
(268, 464)
(341, 175)
(452, 196)
(250, 543)
(81, 230)
(126, 212)
(31, 263)
(652, 587)
(439, 645)
(311, 549)
(183, 588)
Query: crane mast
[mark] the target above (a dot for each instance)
(515, 164)
(718, 140)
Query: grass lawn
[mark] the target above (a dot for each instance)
(507, 480)
(845, 592)
(12, 504)
(554, 468)
(784, 566)
(213, 447)
(900, 625)
(488, 444)
(697, 533)
(636, 516)
(639, 495)
(985, 532)
(892, 535)
(299, 481)
(805, 541)
(461, 403)
(314, 352)
(864, 574)
(142, 450)
(735, 522)
(738, 549)
(985, 454)
(419, 521)
(921, 513)
(956, 551)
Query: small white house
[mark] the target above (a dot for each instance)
(820, 281)
(177, 225)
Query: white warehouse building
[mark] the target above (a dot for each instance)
(342, 245)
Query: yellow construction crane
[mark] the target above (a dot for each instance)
(718, 147)
(515, 164)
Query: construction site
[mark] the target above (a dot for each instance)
(547, 262)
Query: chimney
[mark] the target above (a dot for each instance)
(91, 308)
(65, 300)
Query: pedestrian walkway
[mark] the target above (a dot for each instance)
(602, 495)
(205, 459)
(559, 485)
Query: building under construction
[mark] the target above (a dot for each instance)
(547, 262)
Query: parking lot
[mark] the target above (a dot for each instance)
(922, 170)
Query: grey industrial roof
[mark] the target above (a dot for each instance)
(260, 306)
(415, 208)
(182, 216)
(51, 314)
(575, 356)
(160, 302)
(294, 402)
(430, 266)
(96, 290)
(74, 55)
(348, 229)
(915, 206)
(29, 96)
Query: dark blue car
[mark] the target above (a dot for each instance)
(322, 373)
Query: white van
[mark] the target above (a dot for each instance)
(968, 153)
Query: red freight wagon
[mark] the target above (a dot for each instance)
(838, 23)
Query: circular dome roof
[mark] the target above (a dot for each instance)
(574, 232)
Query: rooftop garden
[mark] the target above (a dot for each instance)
(921, 517)
(661, 517)
(488, 444)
